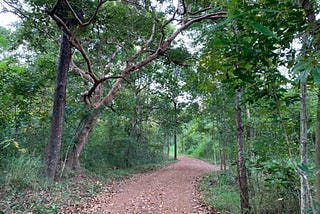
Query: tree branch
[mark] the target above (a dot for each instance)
(162, 48)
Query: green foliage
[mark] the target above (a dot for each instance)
(4, 39)
(275, 187)
(22, 172)
(219, 191)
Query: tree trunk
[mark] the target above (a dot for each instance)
(214, 155)
(317, 151)
(222, 159)
(167, 137)
(175, 130)
(311, 17)
(54, 143)
(303, 147)
(85, 127)
(241, 167)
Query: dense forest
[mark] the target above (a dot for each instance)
(100, 86)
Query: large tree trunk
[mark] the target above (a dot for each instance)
(54, 143)
(317, 152)
(304, 197)
(242, 175)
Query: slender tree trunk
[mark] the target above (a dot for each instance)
(85, 127)
(317, 151)
(242, 175)
(175, 130)
(54, 143)
(304, 200)
(168, 144)
(214, 155)
(314, 27)
(222, 159)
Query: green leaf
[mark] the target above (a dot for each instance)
(303, 76)
(301, 66)
(303, 69)
(262, 29)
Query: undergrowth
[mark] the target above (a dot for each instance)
(219, 191)
(272, 193)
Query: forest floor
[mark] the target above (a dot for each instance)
(170, 189)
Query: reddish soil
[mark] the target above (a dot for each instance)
(171, 189)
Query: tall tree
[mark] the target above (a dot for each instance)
(150, 47)
(54, 142)
(314, 30)
(67, 16)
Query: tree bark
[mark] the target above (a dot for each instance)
(317, 152)
(167, 139)
(54, 143)
(175, 130)
(241, 167)
(304, 198)
(314, 27)
(83, 131)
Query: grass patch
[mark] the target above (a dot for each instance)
(219, 191)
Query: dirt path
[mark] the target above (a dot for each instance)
(171, 189)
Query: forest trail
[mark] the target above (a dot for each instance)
(171, 189)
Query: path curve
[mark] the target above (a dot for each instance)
(171, 189)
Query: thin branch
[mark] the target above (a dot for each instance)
(100, 3)
(16, 10)
(76, 16)
(75, 69)
(79, 47)
(199, 11)
(96, 84)
(54, 8)
(162, 48)
(144, 47)
(110, 63)
(61, 23)
(184, 8)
